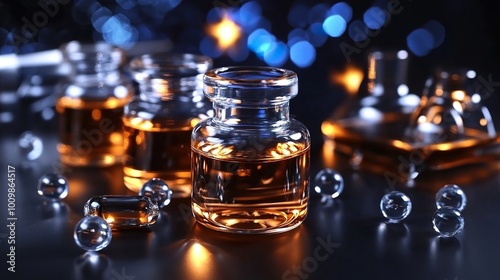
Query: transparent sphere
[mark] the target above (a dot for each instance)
(31, 146)
(452, 196)
(447, 221)
(329, 183)
(395, 206)
(158, 191)
(92, 233)
(53, 186)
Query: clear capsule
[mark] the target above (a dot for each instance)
(122, 212)
(452, 196)
(447, 221)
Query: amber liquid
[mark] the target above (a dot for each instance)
(384, 145)
(90, 131)
(261, 196)
(153, 152)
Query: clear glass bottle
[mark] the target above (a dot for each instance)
(250, 162)
(159, 120)
(91, 105)
(452, 126)
(369, 126)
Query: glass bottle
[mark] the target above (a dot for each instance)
(91, 105)
(369, 126)
(159, 120)
(250, 161)
(452, 126)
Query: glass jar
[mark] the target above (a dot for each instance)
(250, 162)
(370, 125)
(91, 105)
(159, 120)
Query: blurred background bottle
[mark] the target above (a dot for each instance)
(91, 105)
(159, 120)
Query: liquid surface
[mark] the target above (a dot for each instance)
(267, 196)
(90, 131)
(157, 153)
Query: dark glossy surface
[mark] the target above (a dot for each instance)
(346, 239)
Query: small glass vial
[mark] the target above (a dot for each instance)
(159, 120)
(123, 211)
(250, 162)
(91, 105)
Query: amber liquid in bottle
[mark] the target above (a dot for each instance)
(248, 196)
(90, 131)
(157, 153)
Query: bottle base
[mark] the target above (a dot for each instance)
(179, 182)
(248, 220)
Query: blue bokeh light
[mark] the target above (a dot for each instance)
(342, 9)
(214, 15)
(118, 31)
(296, 35)
(100, 16)
(375, 17)
(259, 41)
(317, 35)
(317, 13)
(277, 54)
(358, 31)
(334, 25)
(238, 52)
(303, 54)
(437, 31)
(208, 47)
(297, 17)
(250, 14)
(420, 42)
(127, 4)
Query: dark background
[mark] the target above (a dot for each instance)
(177, 248)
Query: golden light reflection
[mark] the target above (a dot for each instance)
(350, 79)
(483, 122)
(458, 95)
(116, 138)
(96, 114)
(199, 260)
(226, 32)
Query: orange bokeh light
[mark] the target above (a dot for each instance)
(227, 32)
(350, 79)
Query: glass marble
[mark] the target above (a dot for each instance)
(329, 183)
(452, 196)
(53, 186)
(123, 211)
(31, 146)
(395, 206)
(92, 233)
(158, 191)
(447, 221)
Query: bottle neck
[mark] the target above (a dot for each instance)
(107, 77)
(387, 73)
(236, 114)
(186, 88)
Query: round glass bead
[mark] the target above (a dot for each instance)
(92, 233)
(452, 196)
(447, 221)
(31, 146)
(158, 191)
(395, 206)
(329, 183)
(53, 186)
